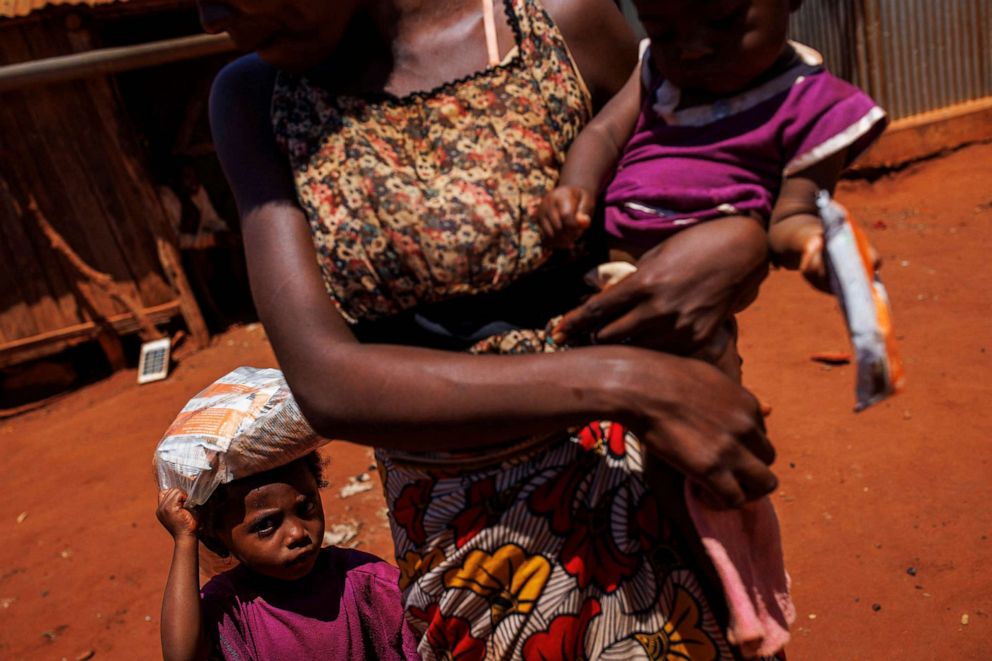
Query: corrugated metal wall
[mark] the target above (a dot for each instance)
(911, 55)
(834, 27)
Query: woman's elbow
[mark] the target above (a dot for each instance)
(331, 401)
(325, 417)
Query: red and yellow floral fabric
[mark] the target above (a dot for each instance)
(560, 554)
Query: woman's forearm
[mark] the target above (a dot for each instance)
(407, 397)
(683, 410)
(419, 399)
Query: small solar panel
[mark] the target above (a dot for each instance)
(154, 362)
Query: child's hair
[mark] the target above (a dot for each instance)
(209, 514)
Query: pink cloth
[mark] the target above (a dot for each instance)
(746, 549)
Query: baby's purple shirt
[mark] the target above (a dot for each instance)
(681, 167)
(348, 607)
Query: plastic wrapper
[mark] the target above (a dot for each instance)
(244, 423)
(865, 303)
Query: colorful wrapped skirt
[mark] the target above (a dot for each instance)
(554, 549)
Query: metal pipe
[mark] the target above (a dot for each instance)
(107, 61)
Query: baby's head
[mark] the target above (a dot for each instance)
(272, 522)
(715, 46)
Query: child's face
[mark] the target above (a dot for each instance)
(715, 46)
(274, 523)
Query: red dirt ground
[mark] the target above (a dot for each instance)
(885, 513)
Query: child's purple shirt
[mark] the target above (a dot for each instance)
(348, 607)
(684, 166)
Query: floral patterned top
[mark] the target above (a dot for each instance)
(434, 195)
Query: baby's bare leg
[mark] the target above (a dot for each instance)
(723, 233)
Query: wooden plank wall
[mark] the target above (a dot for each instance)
(70, 148)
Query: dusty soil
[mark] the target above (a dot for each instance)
(885, 513)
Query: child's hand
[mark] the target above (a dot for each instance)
(565, 214)
(798, 243)
(813, 262)
(178, 520)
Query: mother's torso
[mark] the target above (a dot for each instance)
(432, 196)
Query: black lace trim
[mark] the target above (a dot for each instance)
(422, 95)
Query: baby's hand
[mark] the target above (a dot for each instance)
(178, 520)
(565, 214)
(813, 262)
(797, 242)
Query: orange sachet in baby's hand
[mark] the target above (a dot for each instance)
(865, 303)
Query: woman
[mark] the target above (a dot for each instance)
(387, 157)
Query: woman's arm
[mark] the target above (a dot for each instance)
(419, 399)
(182, 627)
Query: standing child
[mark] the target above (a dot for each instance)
(724, 121)
(288, 598)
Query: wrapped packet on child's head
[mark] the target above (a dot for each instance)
(244, 423)
(864, 302)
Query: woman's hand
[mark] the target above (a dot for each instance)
(699, 421)
(683, 290)
(173, 515)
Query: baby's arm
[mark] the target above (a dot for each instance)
(567, 210)
(795, 234)
(182, 628)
